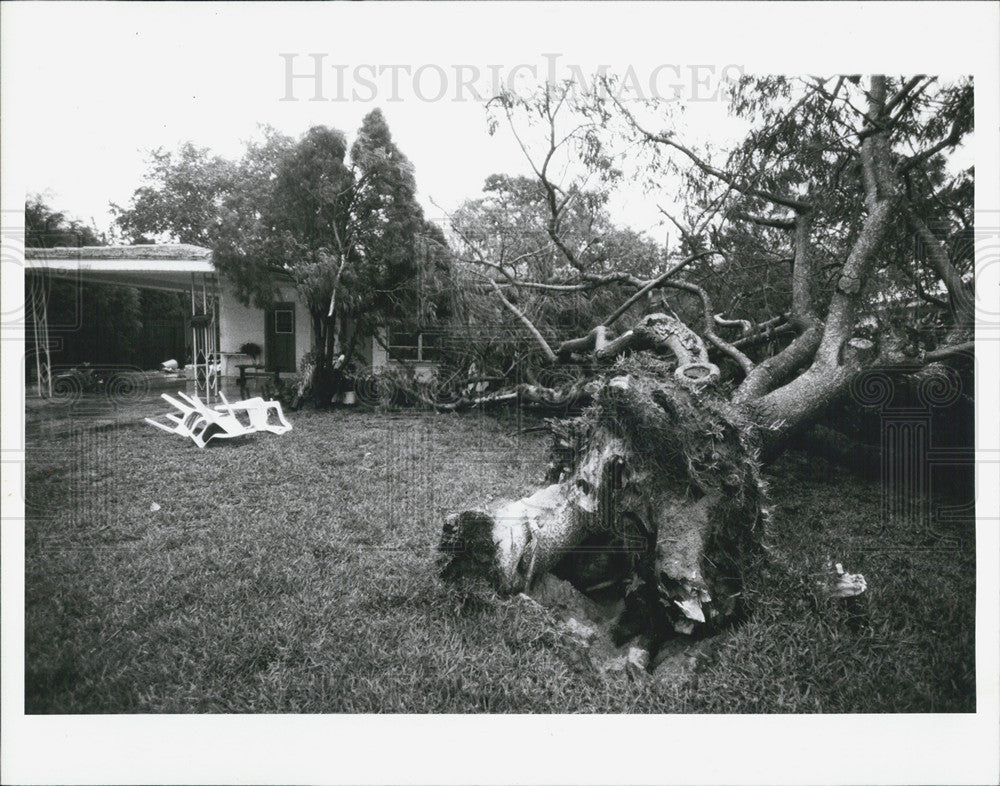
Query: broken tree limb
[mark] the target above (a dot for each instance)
(766, 331)
(709, 325)
(744, 325)
(659, 333)
(664, 334)
(546, 349)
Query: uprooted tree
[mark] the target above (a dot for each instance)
(818, 236)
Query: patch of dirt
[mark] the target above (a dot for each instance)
(590, 624)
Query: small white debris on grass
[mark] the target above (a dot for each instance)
(842, 584)
(638, 659)
(848, 585)
(578, 630)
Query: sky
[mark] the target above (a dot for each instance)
(90, 89)
(97, 87)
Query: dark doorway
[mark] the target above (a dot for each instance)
(279, 348)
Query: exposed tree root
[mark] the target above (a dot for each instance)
(659, 487)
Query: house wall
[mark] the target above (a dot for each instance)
(239, 324)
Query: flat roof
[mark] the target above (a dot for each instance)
(175, 251)
(168, 267)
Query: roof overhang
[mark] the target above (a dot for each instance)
(172, 268)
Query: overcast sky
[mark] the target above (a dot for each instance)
(93, 88)
(89, 89)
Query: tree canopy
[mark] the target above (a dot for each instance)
(767, 231)
(341, 222)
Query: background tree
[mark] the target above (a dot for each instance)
(348, 234)
(184, 197)
(48, 228)
(503, 242)
(343, 223)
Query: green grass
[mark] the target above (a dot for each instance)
(295, 574)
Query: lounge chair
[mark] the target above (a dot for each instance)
(259, 413)
(181, 423)
(200, 423)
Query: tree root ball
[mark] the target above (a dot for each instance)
(661, 490)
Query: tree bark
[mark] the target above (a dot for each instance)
(665, 479)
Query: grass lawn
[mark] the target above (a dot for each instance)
(295, 574)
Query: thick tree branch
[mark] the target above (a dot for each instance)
(803, 309)
(766, 335)
(943, 353)
(803, 400)
(767, 221)
(839, 357)
(765, 331)
(744, 325)
(779, 368)
(871, 127)
(960, 297)
(881, 199)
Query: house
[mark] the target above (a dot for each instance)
(218, 324)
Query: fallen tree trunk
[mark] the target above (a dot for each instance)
(664, 488)
(662, 470)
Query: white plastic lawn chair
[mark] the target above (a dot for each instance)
(209, 424)
(181, 423)
(259, 413)
(200, 423)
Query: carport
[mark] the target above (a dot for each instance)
(171, 268)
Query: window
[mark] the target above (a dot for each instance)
(430, 346)
(284, 321)
(414, 346)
